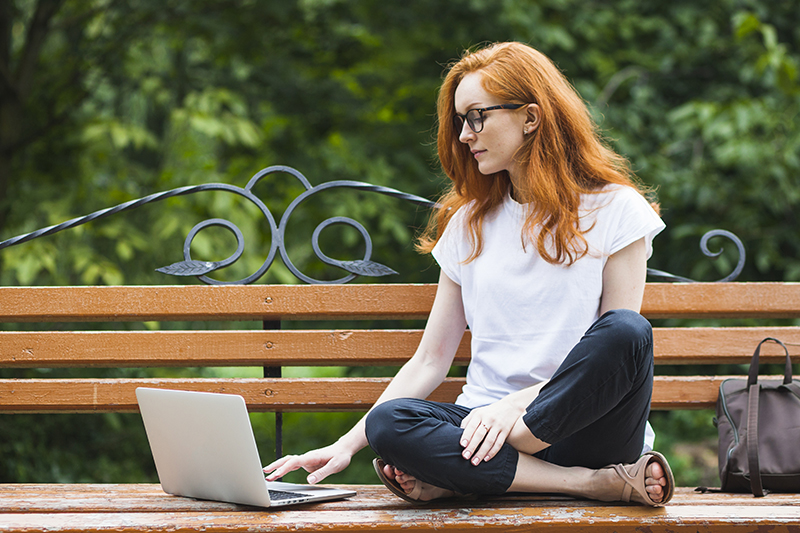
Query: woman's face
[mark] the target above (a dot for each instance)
(503, 129)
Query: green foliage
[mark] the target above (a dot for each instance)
(105, 102)
(689, 440)
(70, 448)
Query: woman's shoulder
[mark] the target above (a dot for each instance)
(612, 194)
(462, 213)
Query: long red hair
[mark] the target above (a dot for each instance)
(562, 160)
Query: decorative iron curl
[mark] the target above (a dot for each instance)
(708, 253)
(191, 267)
(362, 267)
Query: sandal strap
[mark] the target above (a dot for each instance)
(416, 492)
(627, 489)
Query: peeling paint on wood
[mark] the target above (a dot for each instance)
(62, 508)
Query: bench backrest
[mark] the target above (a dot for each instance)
(349, 343)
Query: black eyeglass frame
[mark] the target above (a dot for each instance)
(459, 119)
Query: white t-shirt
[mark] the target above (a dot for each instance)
(524, 313)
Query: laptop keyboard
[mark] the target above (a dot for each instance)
(278, 495)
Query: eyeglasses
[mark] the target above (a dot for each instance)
(474, 117)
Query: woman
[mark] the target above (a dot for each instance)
(542, 241)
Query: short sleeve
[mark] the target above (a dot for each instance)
(449, 250)
(633, 218)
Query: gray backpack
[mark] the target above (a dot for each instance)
(759, 432)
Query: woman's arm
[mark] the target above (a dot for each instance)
(416, 379)
(624, 278)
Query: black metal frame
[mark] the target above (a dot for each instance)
(190, 267)
(362, 267)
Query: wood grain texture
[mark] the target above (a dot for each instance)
(66, 508)
(202, 302)
(212, 348)
(118, 349)
(378, 301)
(282, 394)
(722, 300)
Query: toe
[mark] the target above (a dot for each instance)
(408, 486)
(655, 474)
(655, 492)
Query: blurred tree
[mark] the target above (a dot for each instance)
(105, 101)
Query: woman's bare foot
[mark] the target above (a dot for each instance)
(415, 488)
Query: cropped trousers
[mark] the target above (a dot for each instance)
(593, 412)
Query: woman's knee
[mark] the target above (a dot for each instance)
(627, 326)
(626, 335)
(381, 423)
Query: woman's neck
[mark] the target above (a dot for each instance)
(514, 189)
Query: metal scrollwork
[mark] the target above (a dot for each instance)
(201, 269)
(360, 267)
(190, 267)
(708, 253)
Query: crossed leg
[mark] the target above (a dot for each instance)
(535, 475)
(605, 382)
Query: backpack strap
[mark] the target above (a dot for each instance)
(752, 441)
(793, 387)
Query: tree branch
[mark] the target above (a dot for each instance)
(37, 33)
(6, 16)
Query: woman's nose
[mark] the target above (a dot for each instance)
(466, 134)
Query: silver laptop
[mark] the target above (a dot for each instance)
(204, 448)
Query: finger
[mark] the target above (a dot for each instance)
(474, 441)
(291, 464)
(331, 467)
(496, 447)
(276, 464)
(318, 475)
(470, 428)
(489, 443)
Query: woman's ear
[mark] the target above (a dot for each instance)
(532, 119)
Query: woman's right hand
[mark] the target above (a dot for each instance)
(319, 463)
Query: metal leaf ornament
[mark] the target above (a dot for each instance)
(189, 268)
(366, 268)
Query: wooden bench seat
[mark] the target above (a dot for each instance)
(52, 334)
(66, 508)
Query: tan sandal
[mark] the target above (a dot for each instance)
(419, 487)
(394, 486)
(634, 480)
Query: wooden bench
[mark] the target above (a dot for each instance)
(145, 507)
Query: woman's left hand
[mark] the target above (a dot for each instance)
(486, 429)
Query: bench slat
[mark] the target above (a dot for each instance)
(282, 394)
(212, 348)
(728, 345)
(94, 508)
(333, 347)
(203, 302)
(148, 497)
(722, 300)
(379, 301)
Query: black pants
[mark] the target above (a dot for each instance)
(593, 413)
